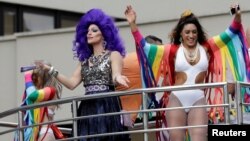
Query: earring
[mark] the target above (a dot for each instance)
(180, 39)
(104, 43)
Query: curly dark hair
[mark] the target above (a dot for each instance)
(189, 18)
(82, 50)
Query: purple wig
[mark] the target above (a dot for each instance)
(82, 50)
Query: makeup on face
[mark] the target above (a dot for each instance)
(189, 35)
(93, 28)
(94, 34)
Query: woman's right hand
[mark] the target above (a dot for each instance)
(131, 18)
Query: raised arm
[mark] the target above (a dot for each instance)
(139, 39)
(248, 36)
(37, 95)
(233, 30)
(152, 52)
(236, 23)
(230, 46)
(131, 18)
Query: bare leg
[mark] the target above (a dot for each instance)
(176, 118)
(198, 116)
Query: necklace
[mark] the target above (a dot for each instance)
(94, 59)
(191, 55)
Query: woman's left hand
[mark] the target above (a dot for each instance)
(122, 80)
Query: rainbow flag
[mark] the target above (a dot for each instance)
(33, 95)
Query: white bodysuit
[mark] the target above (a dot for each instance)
(189, 97)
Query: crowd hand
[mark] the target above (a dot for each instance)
(40, 64)
(122, 80)
(130, 14)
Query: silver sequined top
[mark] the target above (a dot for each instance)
(100, 73)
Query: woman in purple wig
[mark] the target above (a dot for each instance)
(100, 51)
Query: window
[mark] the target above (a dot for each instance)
(37, 21)
(69, 20)
(9, 18)
(21, 18)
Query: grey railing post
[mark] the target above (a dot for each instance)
(74, 115)
(20, 124)
(145, 115)
(226, 101)
(238, 103)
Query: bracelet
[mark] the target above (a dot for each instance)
(53, 72)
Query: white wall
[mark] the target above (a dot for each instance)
(8, 81)
(8, 74)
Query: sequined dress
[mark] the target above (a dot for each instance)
(97, 78)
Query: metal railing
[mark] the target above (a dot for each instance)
(239, 101)
(74, 101)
